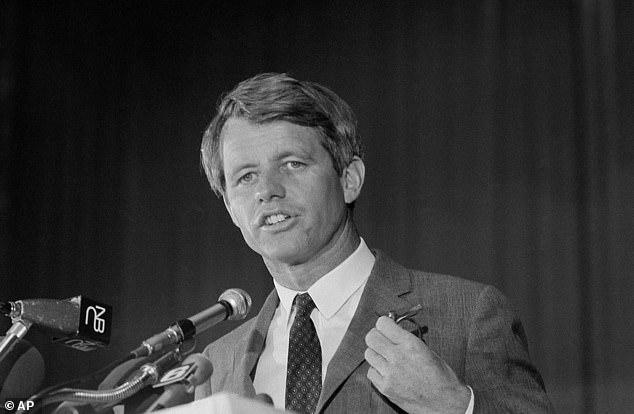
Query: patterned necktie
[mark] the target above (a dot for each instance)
(303, 370)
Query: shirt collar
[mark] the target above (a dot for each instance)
(348, 276)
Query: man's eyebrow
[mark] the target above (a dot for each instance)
(296, 152)
(241, 167)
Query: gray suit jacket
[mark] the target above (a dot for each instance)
(471, 326)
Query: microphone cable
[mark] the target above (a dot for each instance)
(39, 396)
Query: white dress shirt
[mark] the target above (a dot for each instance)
(336, 296)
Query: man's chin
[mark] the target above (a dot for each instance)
(284, 255)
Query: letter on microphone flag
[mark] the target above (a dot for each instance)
(93, 331)
(175, 375)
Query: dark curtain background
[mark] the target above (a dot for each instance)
(499, 148)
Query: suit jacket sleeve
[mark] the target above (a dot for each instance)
(497, 364)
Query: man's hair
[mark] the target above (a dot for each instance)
(269, 97)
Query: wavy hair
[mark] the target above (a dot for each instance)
(269, 97)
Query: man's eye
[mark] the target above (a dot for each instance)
(246, 178)
(295, 164)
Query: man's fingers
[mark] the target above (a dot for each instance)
(375, 378)
(393, 332)
(379, 343)
(375, 360)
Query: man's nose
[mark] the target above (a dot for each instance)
(270, 186)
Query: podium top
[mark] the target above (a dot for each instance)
(223, 403)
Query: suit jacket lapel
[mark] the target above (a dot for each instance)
(246, 353)
(387, 283)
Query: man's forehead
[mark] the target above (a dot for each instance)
(241, 122)
(241, 137)
(243, 132)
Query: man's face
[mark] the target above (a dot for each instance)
(282, 189)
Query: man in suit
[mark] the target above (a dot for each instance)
(285, 157)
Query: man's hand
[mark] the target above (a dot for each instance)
(412, 376)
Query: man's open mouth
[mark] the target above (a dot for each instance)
(275, 218)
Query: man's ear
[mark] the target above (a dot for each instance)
(352, 179)
(230, 210)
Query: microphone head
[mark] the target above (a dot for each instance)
(21, 371)
(240, 303)
(57, 315)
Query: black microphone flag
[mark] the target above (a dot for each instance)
(78, 322)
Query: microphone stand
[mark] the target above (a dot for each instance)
(13, 335)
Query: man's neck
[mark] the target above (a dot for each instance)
(302, 276)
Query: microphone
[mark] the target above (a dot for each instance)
(233, 304)
(179, 383)
(84, 324)
(21, 372)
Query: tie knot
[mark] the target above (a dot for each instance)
(304, 304)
